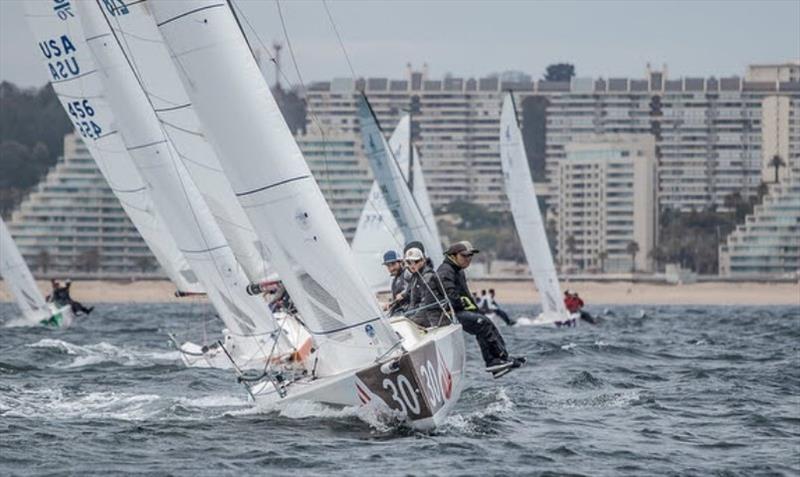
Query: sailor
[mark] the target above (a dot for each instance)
(574, 305)
(394, 265)
(495, 308)
(61, 297)
(426, 296)
(483, 302)
(458, 257)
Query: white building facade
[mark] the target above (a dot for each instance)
(606, 202)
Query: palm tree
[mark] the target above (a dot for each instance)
(777, 162)
(572, 248)
(632, 248)
(43, 261)
(602, 255)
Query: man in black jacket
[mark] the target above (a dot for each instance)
(451, 273)
(394, 265)
(426, 298)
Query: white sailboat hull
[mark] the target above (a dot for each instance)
(419, 386)
(550, 319)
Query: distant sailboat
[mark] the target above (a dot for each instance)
(19, 281)
(377, 229)
(403, 188)
(360, 358)
(528, 220)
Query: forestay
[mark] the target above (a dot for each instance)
(525, 210)
(75, 80)
(377, 229)
(173, 191)
(18, 279)
(141, 41)
(387, 171)
(273, 183)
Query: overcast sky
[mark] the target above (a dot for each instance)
(476, 37)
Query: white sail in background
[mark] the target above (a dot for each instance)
(173, 191)
(141, 41)
(526, 213)
(273, 183)
(75, 80)
(19, 281)
(377, 229)
(392, 181)
(400, 143)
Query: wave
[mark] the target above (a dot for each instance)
(88, 355)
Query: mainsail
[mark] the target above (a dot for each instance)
(75, 81)
(400, 200)
(173, 191)
(141, 41)
(273, 183)
(377, 229)
(525, 210)
(18, 279)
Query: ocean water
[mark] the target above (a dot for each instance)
(650, 391)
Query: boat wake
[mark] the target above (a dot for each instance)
(88, 355)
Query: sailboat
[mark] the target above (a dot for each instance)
(528, 221)
(360, 358)
(377, 229)
(251, 328)
(19, 281)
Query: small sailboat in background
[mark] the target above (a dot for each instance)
(528, 221)
(19, 281)
(377, 229)
(360, 358)
(403, 186)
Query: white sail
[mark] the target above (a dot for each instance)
(377, 229)
(526, 213)
(400, 143)
(388, 173)
(173, 192)
(18, 279)
(273, 183)
(74, 78)
(377, 232)
(141, 41)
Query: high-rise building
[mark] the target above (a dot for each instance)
(780, 134)
(72, 223)
(607, 202)
(708, 131)
(768, 243)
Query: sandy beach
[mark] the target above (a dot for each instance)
(508, 292)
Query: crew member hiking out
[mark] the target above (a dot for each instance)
(574, 304)
(426, 297)
(451, 273)
(61, 297)
(394, 265)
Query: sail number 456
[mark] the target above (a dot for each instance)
(82, 112)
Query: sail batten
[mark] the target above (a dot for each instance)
(525, 211)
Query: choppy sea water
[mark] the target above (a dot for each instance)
(651, 391)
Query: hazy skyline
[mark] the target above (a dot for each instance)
(475, 38)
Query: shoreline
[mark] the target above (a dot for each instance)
(508, 292)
